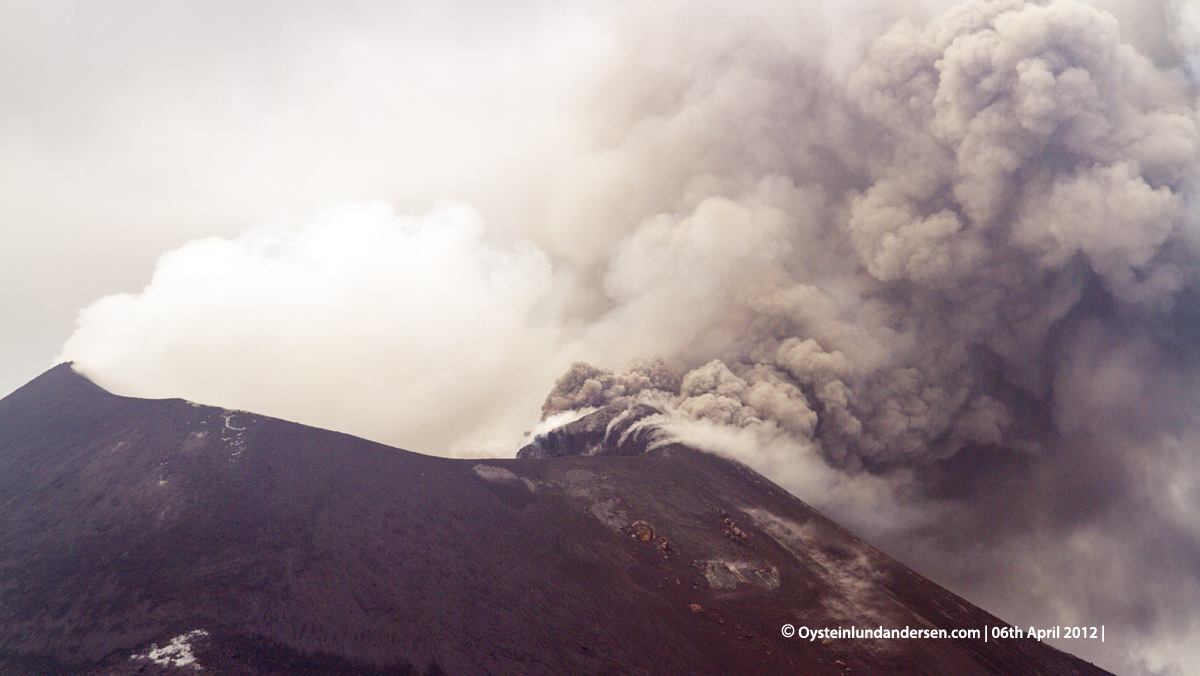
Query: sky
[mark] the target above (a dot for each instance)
(932, 266)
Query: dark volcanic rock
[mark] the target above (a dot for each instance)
(612, 430)
(155, 537)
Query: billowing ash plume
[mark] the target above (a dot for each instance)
(1020, 159)
(965, 266)
(938, 277)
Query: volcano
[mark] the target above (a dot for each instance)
(162, 536)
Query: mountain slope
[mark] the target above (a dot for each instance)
(268, 547)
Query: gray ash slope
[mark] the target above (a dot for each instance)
(127, 522)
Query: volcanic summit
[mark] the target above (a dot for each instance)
(162, 536)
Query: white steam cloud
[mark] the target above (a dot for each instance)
(939, 276)
(359, 320)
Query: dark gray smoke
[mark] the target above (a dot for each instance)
(965, 266)
(937, 272)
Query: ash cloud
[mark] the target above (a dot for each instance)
(961, 273)
(935, 271)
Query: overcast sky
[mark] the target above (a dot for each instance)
(933, 266)
(130, 128)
